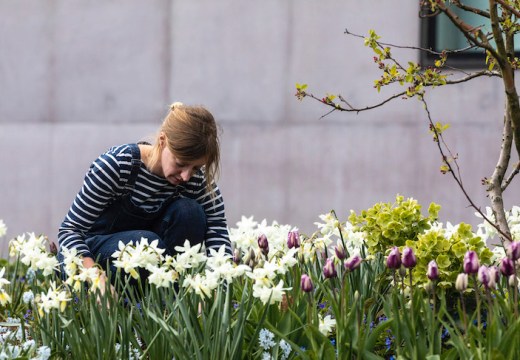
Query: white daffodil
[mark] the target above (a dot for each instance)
(5, 298)
(327, 324)
(218, 258)
(3, 228)
(47, 263)
(198, 284)
(3, 281)
(269, 294)
(162, 276)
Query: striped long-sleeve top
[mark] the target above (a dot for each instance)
(107, 180)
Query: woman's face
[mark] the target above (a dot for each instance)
(176, 171)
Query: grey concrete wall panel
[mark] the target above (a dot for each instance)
(77, 77)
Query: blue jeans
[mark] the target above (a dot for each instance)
(179, 220)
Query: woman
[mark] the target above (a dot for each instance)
(164, 191)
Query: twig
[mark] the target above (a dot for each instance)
(515, 171)
(458, 180)
(509, 8)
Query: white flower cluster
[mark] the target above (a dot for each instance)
(331, 230)
(488, 232)
(32, 252)
(4, 296)
(144, 255)
(55, 298)
(3, 228)
(14, 344)
(266, 342)
(77, 274)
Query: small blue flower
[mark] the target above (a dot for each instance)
(333, 342)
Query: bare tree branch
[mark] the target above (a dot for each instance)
(457, 177)
(509, 8)
(474, 10)
(515, 171)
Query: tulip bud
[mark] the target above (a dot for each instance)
(512, 279)
(340, 252)
(494, 276)
(507, 267)
(306, 283)
(263, 244)
(433, 270)
(471, 263)
(353, 262)
(393, 261)
(513, 251)
(329, 270)
(409, 259)
(293, 239)
(462, 282)
(484, 276)
(237, 256)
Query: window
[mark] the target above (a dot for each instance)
(439, 33)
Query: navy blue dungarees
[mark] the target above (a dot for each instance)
(176, 220)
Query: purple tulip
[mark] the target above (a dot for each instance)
(461, 283)
(353, 262)
(293, 239)
(484, 276)
(471, 263)
(306, 283)
(433, 270)
(393, 261)
(237, 256)
(263, 244)
(494, 276)
(409, 260)
(329, 270)
(340, 252)
(507, 267)
(513, 251)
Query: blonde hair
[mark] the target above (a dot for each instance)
(191, 133)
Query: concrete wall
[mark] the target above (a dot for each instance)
(79, 76)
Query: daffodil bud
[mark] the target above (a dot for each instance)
(393, 261)
(409, 260)
(433, 270)
(471, 264)
(329, 270)
(461, 283)
(353, 262)
(306, 283)
(293, 239)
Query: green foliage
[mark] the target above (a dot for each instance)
(386, 225)
(448, 250)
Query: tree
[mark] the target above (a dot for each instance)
(500, 61)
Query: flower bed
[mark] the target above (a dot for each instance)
(387, 283)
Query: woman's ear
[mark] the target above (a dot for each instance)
(162, 139)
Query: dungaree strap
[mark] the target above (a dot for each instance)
(136, 166)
